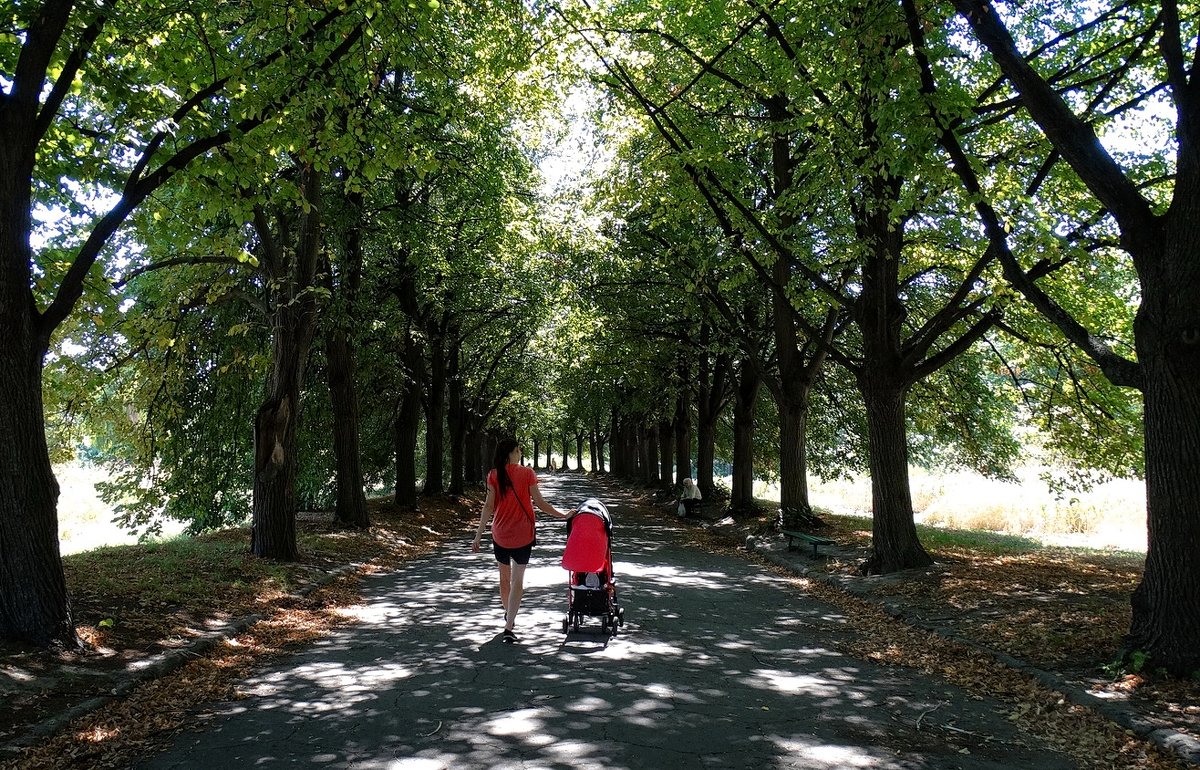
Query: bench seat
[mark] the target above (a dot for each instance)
(816, 540)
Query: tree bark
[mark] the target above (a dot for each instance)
(408, 424)
(795, 510)
(34, 606)
(746, 397)
(273, 532)
(710, 400)
(435, 420)
(351, 506)
(646, 455)
(652, 454)
(666, 449)
(456, 419)
(1166, 604)
(683, 436)
(894, 542)
(293, 325)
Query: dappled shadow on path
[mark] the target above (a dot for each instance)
(719, 665)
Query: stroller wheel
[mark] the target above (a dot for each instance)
(566, 625)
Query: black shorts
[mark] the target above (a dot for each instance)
(519, 555)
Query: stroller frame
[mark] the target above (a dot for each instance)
(591, 590)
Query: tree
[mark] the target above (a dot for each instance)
(765, 128)
(1156, 225)
(124, 116)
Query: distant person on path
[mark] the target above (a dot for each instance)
(689, 495)
(512, 492)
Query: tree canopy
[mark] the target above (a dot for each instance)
(266, 258)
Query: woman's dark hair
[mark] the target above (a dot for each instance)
(504, 448)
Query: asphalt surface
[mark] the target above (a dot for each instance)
(720, 664)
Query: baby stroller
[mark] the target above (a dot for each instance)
(587, 558)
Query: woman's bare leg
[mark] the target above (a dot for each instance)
(516, 589)
(505, 581)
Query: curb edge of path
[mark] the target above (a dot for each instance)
(1178, 744)
(155, 667)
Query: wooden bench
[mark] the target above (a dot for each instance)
(816, 540)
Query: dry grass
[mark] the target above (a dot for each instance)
(1110, 516)
(84, 520)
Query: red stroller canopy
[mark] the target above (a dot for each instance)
(587, 544)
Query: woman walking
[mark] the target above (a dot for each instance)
(512, 492)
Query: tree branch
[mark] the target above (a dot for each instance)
(1070, 135)
(1119, 370)
(175, 262)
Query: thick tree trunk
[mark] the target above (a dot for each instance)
(536, 453)
(1166, 604)
(683, 437)
(294, 322)
(599, 442)
(351, 504)
(408, 425)
(646, 455)
(710, 399)
(579, 438)
(652, 454)
(435, 423)
(34, 606)
(456, 422)
(624, 451)
(742, 485)
(666, 450)
(706, 449)
(473, 470)
(795, 510)
(274, 512)
(593, 453)
(351, 507)
(894, 542)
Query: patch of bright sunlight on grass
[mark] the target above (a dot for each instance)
(84, 520)
(1110, 516)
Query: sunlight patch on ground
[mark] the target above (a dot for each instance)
(793, 684)
(676, 576)
(522, 722)
(819, 756)
(417, 763)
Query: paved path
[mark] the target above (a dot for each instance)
(720, 664)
